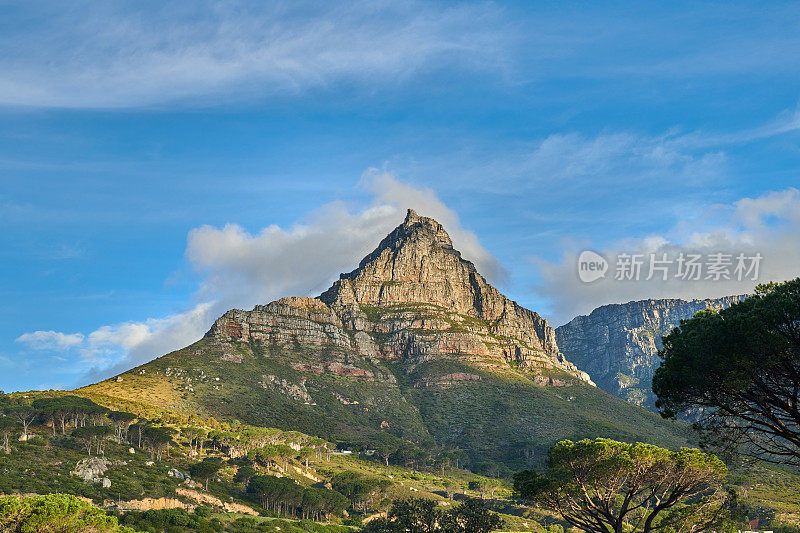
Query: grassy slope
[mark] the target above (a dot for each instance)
(240, 393)
(505, 417)
(501, 417)
(44, 464)
(41, 467)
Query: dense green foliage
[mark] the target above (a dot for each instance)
(740, 368)
(285, 496)
(362, 482)
(417, 515)
(206, 469)
(201, 521)
(54, 513)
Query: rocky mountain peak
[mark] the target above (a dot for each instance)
(416, 262)
(416, 239)
(415, 298)
(414, 223)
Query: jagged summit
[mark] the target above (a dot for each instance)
(417, 263)
(413, 229)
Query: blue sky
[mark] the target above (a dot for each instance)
(161, 163)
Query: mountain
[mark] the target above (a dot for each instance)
(413, 342)
(618, 344)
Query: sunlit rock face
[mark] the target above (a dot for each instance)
(414, 298)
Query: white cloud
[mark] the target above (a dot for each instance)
(768, 225)
(106, 55)
(116, 348)
(113, 348)
(50, 340)
(240, 270)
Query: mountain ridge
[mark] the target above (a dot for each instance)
(617, 344)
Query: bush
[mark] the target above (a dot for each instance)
(203, 511)
(54, 512)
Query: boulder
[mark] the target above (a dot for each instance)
(92, 469)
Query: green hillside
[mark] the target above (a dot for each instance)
(146, 493)
(494, 417)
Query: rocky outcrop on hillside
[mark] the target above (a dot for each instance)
(92, 469)
(413, 299)
(618, 344)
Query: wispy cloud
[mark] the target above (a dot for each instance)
(114, 55)
(239, 269)
(50, 340)
(109, 55)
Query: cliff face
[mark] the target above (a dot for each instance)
(413, 299)
(618, 344)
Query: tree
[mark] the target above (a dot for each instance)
(264, 456)
(410, 454)
(157, 439)
(385, 445)
(25, 414)
(738, 372)
(472, 516)
(318, 502)
(96, 413)
(415, 515)
(7, 426)
(261, 488)
(285, 453)
(313, 503)
(193, 435)
(358, 488)
(305, 454)
(206, 469)
(334, 503)
(281, 494)
(606, 486)
(322, 447)
(443, 461)
(49, 409)
(54, 512)
(418, 515)
(478, 486)
(62, 409)
(122, 421)
(93, 437)
(139, 430)
(448, 485)
(244, 473)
